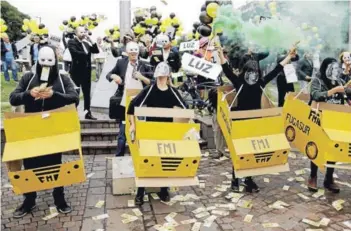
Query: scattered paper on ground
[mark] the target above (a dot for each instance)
(270, 225)
(347, 224)
(100, 217)
(324, 222)
(318, 194)
(196, 226)
(131, 203)
(137, 212)
(53, 210)
(286, 187)
(292, 155)
(90, 174)
(216, 194)
(190, 221)
(220, 212)
(208, 221)
(7, 186)
(201, 215)
(278, 205)
(304, 186)
(187, 203)
(146, 198)
(248, 218)
(155, 196)
(299, 179)
(199, 210)
(300, 172)
(266, 180)
(202, 185)
(291, 179)
(99, 204)
(52, 215)
(313, 223)
(245, 204)
(303, 196)
(338, 204)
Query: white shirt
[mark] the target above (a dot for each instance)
(130, 82)
(166, 55)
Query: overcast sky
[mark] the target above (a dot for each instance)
(53, 12)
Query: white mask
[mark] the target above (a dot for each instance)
(46, 59)
(132, 47)
(346, 58)
(162, 40)
(251, 77)
(162, 69)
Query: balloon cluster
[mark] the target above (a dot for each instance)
(3, 27)
(194, 34)
(148, 22)
(33, 28)
(207, 15)
(112, 34)
(87, 21)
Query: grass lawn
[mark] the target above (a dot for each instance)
(8, 87)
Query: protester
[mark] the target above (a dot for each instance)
(81, 65)
(304, 70)
(158, 95)
(282, 85)
(329, 88)
(99, 58)
(121, 51)
(8, 56)
(58, 93)
(129, 73)
(165, 53)
(345, 60)
(251, 55)
(249, 87)
(34, 50)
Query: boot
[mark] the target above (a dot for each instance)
(312, 184)
(251, 186)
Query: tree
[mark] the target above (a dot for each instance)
(14, 20)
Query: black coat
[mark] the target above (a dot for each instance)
(173, 59)
(3, 50)
(121, 68)
(81, 62)
(64, 94)
(304, 68)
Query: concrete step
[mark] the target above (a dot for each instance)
(98, 124)
(99, 134)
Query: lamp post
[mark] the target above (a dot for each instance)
(125, 16)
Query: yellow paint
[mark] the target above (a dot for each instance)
(322, 136)
(44, 134)
(253, 143)
(157, 141)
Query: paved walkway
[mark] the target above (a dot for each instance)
(84, 197)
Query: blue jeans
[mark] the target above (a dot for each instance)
(121, 140)
(12, 64)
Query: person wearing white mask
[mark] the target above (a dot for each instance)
(162, 95)
(58, 91)
(81, 65)
(129, 73)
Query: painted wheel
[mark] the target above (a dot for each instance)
(311, 150)
(290, 133)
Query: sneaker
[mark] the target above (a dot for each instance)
(89, 116)
(235, 185)
(312, 184)
(164, 196)
(251, 186)
(64, 208)
(332, 187)
(139, 200)
(23, 210)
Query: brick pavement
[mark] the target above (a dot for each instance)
(84, 197)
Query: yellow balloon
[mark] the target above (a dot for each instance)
(197, 36)
(26, 22)
(116, 34)
(115, 27)
(174, 43)
(212, 9)
(2, 35)
(3, 28)
(24, 27)
(163, 28)
(219, 30)
(189, 36)
(2, 21)
(91, 26)
(315, 29)
(62, 27)
(148, 21)
(154, 21)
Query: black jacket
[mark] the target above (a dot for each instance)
(3, 50)
(304, 68)
(173, 59)
(121, 68)
(81, 62)
(64, 94)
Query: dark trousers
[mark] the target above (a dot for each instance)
(67, 66)
(121, 140)
(234, 177)
(141, 191)
(84, 81)
(283, 89)
(44, 161)
(328, 175)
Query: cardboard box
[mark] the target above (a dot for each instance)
(39, 134)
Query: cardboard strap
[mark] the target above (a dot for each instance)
(264, 92)
(236, 96)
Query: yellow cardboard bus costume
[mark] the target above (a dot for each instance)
(321, 132)
(256, 139)
(42, 128)
(163, 149)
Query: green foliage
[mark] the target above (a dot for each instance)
(14, 20)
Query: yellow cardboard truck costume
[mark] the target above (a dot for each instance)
(44, 134)
(322, 133)
(160, 149)
(256, 140)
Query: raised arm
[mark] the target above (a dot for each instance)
(227, 70)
